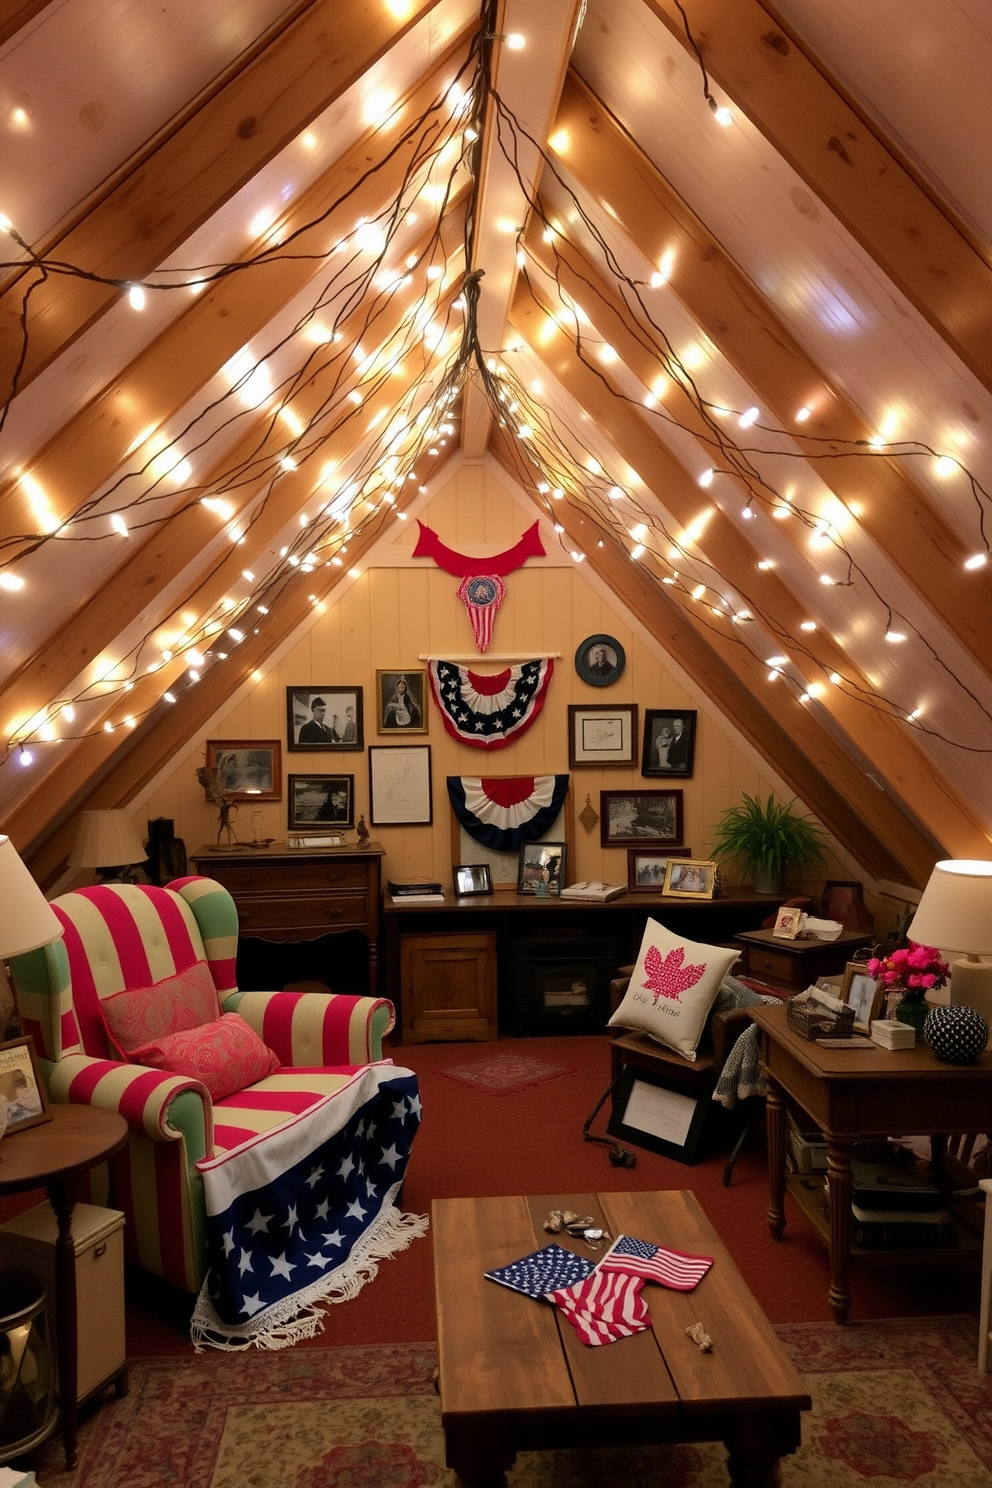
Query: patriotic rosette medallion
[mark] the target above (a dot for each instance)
(487, 712)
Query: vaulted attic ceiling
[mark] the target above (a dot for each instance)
(712, 282)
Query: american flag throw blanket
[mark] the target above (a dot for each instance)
(302, 1215)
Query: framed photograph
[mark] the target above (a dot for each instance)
(472, 878)
(691, 878)
(656, 1112)
(632, 817)
(600, 735)
(600, 660)
(247, 769)
(400, 785)
(646, 870)
(542, 868)
(788, 922)
(669, 741)
(324, 718)
(504, 863)
(861, 992)
(402, 698)
(21, 1087)
(319, 800)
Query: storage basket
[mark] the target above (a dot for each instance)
(814, 1021)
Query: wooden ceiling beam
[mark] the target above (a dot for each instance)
(194, 167)
(849, 165)
(887, 505)
(16, 15)
(874, 831)
(187, 544)
(105, 772)
(728, 552)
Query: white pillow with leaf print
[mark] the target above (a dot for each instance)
(672, 989)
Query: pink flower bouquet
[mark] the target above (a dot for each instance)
(918, 967)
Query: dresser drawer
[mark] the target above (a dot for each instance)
(296, 877)
(762, 962)
(313, 915)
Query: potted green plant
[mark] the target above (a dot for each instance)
(766, 837)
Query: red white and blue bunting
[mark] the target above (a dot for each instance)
(503, 812)
(488, 712)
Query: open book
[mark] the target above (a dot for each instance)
(599, 892)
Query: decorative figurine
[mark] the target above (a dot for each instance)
(363, 832)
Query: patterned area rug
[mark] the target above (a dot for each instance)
(893, 1402)
(505, 1074)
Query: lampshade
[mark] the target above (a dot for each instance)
(106, 839)
(955, 914)
(27, 920)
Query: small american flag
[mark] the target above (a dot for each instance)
(604, 1307)
(543, 1271)
(672, 1268)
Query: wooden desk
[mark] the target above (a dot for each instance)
(513, 1375)
(52, 1155)
(853, 1094)
(285, 893)
(797, 964)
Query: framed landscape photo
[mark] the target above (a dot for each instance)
(646, 869)
(627, 818)
(861, 992)
(691, 878)
(21, 1085)
(247, 769)
(601, 734)
(669, 742)
(402, 701)
(400, 785)
(542, 868)
(472, 878)
(328, 718)
(319, 800)
(599, 660)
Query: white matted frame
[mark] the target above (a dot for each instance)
(601, 735)
(400, 785)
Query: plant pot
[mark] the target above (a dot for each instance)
(912, 1008)
(767, 881)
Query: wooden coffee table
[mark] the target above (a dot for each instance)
(513, 1375)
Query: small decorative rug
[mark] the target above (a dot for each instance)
(505, 1074)
(893, 1402)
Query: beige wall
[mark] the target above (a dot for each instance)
(403, 607)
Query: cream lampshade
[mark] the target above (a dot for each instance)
(27, 920)
(106, 840)
(955, 914)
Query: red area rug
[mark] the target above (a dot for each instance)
(893, 1402)
(505, 1074)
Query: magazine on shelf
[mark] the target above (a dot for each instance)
(593, 891)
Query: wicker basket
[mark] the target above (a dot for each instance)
(813, 1021)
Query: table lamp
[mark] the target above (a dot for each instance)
(27, 920)
(955, 914)
(107, 842)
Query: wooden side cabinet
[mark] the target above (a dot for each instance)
(448, 987)
(796, 964)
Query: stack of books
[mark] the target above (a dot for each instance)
(894, 1208)
(415, 890)
(890, 1034)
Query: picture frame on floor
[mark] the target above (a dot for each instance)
(655, 1112)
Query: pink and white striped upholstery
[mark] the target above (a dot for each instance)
(121, 937)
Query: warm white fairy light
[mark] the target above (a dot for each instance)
(807, 625)
(945, 465)
(977, 560)
(836, 678)
(136, 297)
(777, 661)
(803, 414)
(916, 713)
(706, 479)
(748, 417)
(11, 581)
(118, 523)
(895, 636)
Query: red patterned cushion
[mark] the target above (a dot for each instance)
(225, 1055)
(186, 1000)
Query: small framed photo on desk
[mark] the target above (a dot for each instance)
(861, 992)
(472, 878)
(22, 1091)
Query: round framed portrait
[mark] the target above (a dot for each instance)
(600, 660)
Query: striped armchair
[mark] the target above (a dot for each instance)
(128, 937)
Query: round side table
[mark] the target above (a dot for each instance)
(51, 1156)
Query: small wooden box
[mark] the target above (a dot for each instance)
(27, 1243)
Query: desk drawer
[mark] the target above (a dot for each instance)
(762, 962)
(258, 913)
(290, 878)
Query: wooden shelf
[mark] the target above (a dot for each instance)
(809, 1192)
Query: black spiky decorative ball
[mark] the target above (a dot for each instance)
(956, 1034)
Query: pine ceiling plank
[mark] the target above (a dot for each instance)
(187, 543)
(909, 774)
(849, 165)
(528, 82)
(16, 14)
(869, 824)
(887, 505)
(104, 771)
(97, 441)
(196, 168)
